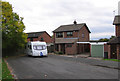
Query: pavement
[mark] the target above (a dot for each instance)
(61, 67)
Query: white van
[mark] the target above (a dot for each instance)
(36, 48)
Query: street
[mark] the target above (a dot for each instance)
(57, 67)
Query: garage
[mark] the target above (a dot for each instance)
(97, 50)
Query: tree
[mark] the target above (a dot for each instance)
(13, 37)
(103, 40)
(112, 37)
(106, 39)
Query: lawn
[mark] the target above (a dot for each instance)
(6, 75)
(0, 69)
(113, 60)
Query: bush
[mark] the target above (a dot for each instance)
(59, 52)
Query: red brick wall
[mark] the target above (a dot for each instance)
(109, 52)
(46, 38)
(34, 39)
(86, 35)
(118, 51)
(105, 48)
(71, 50)
(117, 30)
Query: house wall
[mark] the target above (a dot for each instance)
(45, 36)
(117, 30)
(84, 31)
(34, 39)
(118, 51)
(109, 51)
(105, 48)
(75, 35)
(71, 50)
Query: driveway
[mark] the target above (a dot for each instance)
(58, 67)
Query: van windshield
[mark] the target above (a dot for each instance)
(39, 47)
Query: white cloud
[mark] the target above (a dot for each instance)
(47, 15)
(102, 35)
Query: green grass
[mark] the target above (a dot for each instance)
(6, 75)
(0, 69)
(113, 60)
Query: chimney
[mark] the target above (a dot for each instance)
(75, 22)
(116, 22)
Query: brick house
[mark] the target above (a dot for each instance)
(67, 36)
(40, 36)
(114, 44)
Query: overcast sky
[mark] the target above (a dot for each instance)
(47, 15)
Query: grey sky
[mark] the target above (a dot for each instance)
(47, 15)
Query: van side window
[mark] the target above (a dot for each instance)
(39, 47)
(44, 47)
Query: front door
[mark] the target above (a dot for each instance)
(63, 48)
(114, 51)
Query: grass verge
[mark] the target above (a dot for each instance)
(112, 60)
(0, 69)
(6, 75)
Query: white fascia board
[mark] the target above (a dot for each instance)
(83, 42)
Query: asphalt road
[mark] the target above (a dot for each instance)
(57, 67)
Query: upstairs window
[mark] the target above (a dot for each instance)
(31, 39)
(42, 39)
(69, 33)
(83, 35)
(59, 35)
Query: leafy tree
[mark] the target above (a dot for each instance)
(13, 37)
(112, 37)
(103, 40)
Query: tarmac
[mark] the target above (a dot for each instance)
(92, 61)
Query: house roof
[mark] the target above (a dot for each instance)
(116, 20)
(115, 40)
(35, 34)
(71, 27)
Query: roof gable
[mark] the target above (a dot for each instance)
(116, 20)
(71, 27)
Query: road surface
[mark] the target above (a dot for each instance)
(57, 67)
